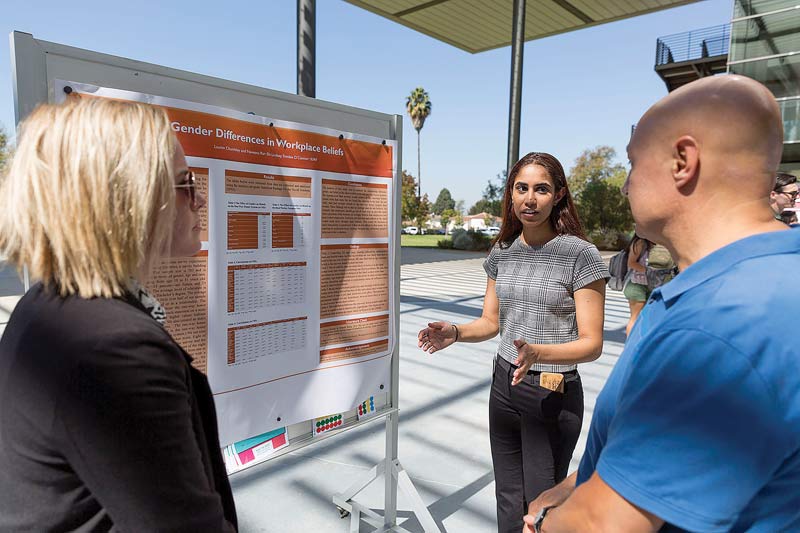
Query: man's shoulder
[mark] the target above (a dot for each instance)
(732, 325)
(756, 294)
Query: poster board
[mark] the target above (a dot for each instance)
(325, 378)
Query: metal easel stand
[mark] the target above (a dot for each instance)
(395, 477)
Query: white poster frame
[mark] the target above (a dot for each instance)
(36, 64)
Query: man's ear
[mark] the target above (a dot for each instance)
(685, 161)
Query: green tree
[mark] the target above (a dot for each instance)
(443, 202)
(593, 165)
(448, 215)
(423, 210)
(408, 196)
(481, 206)
(603, 207)
(4, 153)
(492, 199)
(414, 209)
(418, 107)
(596, 184)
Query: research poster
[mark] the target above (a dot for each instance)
(288, 307)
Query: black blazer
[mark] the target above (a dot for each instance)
(104, 424)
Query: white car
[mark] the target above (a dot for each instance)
(412, 230)
(491, 231)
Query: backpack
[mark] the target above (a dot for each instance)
(660, 266)
(618, 267)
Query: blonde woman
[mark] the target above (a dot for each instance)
(104, 425)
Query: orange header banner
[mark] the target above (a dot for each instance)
(376, 344)
(216, 137)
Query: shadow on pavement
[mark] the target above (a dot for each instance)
(414, 256)
(615, 335)
(353, 436)
(454, 502)
(452, 306)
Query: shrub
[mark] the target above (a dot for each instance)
(608, 239)
(461, 241)
(470, 240)
(447, 244)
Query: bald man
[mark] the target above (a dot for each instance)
(698, 425)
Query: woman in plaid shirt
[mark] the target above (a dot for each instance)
(545, 295)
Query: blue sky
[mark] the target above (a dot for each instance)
(580, 89)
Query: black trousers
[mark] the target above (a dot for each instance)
(533, 432)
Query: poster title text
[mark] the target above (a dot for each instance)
(220, 133)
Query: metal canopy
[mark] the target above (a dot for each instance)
(480, 25)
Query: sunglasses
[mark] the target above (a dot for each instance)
(190, 186)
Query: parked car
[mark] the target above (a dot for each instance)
(412, 230)
(491, 231)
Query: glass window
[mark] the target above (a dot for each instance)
(790, 110)
(745, 8)
(781, 75)
(766, 36)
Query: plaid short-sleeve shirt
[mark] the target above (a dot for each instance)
(536, 286)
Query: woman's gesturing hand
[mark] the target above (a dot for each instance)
(437, 336)
(526, 356)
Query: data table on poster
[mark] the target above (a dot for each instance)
(289, 230)
(248, 230)
(254, 341)
(253, 287)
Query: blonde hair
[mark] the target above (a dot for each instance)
(88, 199)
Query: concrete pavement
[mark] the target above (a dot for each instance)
(10, 283)
(444, 442)
(10, 293)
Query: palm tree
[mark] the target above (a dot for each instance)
(418, 106)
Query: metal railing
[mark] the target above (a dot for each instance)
(691, 45)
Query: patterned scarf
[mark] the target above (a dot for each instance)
(148, 301)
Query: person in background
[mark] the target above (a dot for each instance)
(698, 426)
(784, 193)
(544, 294)
(636, 290)
(104, 424)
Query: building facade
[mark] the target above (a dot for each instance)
(765, 45)
(761, 42)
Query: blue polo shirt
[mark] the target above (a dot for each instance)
(699, 422)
